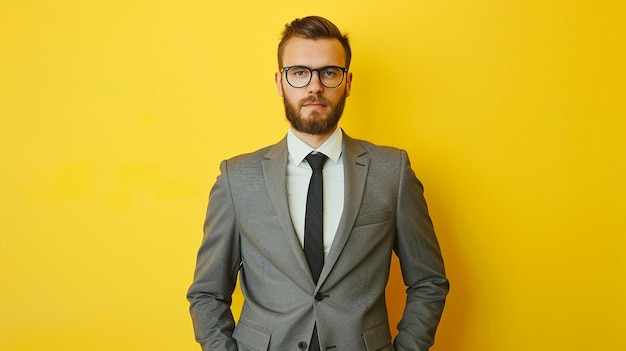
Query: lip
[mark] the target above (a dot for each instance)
(315, 106)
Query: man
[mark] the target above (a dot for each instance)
(313, 278)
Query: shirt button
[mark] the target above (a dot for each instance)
(302, 345)
(319, 296)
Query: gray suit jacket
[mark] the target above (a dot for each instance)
(248, 231)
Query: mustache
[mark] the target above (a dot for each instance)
(313, 100)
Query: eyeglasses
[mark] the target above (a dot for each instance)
(300, 76)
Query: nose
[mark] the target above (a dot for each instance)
(315, 85)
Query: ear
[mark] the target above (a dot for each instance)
(278, 79)
(348, 83)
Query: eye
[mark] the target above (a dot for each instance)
(330, 74)
(299, 72)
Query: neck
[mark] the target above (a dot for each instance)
(314, 140)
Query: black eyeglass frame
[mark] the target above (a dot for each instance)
(343, 70)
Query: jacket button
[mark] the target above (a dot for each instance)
(319, 296)
(302, 345)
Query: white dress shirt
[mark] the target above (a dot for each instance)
(298, 177)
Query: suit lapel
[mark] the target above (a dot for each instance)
(355, 166)
(275, 173)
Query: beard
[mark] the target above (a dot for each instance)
(314, 123)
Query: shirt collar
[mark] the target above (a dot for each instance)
(298, 149)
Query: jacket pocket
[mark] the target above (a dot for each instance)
(372, 218)
(378, 338)
(253, 338)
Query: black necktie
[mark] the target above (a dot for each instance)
(314, 226)
(314, 220)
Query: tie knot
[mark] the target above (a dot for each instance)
(316, 161)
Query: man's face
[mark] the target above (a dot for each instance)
(313, 109)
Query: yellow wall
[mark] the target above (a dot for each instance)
(115, 115)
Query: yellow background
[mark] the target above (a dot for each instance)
(115, 115)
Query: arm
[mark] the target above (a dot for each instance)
(210, 294)
(421, 263)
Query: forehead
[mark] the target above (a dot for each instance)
(314, 52)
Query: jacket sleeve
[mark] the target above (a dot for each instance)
(421, 263)
(218, 261)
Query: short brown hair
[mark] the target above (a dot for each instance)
(313, 27)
